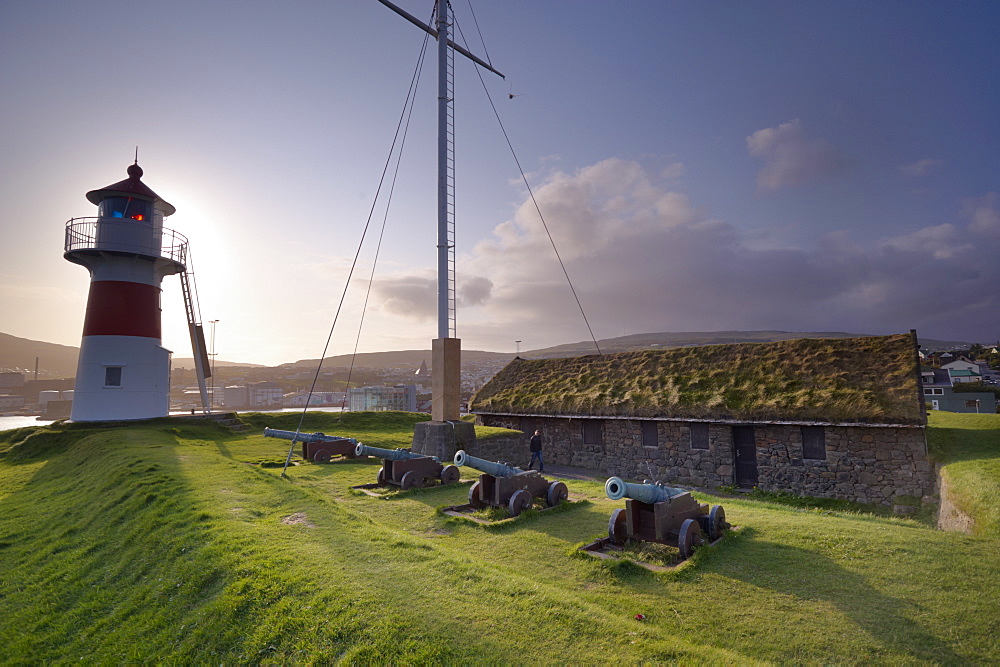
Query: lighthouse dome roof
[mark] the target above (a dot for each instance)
(131, 187)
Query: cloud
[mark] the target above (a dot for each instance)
(918, 168)
(643, 258)
(791, 158)
(410, 296)
(984, 214)
(475, 291)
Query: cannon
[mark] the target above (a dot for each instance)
(504, 485)
(658, 513)
(317, 447)
(403, 468)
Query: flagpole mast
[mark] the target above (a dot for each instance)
(444, 285)
(446, 351)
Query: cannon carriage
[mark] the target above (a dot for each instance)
(317, 447)
(658, 513)
(504, 485)
(403, 468)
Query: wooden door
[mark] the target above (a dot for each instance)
(745, 453)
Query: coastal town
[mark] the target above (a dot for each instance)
(962, 379)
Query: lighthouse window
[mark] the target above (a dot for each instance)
(125, 207)
(113, 376)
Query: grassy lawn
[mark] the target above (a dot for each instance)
(169, 541)
(968, 447)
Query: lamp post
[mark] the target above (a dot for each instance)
(212, 354)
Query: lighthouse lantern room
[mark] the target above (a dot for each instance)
(123, 370)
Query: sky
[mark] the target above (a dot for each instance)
(700, 166)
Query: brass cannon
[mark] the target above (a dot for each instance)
(317, 447)
(403, 468)
(504, 485)
(658, 513)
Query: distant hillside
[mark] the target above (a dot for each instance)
(188, 362)
(397, 359)
(668, 339)
(59, 361)
(55, 361)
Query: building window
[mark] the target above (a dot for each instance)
(593, 432)
(933, 391)
(650, 437)
(699, 436)
(813, 443)
(112, 376)
(972, 404)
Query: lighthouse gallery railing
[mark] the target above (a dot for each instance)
(125, 236)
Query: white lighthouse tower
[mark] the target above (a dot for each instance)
(123, 371)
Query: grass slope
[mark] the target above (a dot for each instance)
(968, 447)
(169, 542)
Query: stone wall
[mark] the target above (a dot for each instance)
(512, 449)
(868, 465)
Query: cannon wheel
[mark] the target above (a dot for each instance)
(380, 478)
(450, 474)
(689, 537)
(519, 501)
(716, 522)
(556, 493)
(321, 456)
(474, 498)
(410, 480)
(616, 526)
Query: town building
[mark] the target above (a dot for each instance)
(398, 397)
(8, 380)
(297, 399)
(840, 418)
(939, 393)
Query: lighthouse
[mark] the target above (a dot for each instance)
(124, 371)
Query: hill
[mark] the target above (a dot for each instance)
(396, 359)
(188, 362)
(697, 338)
(175, 541)
(54, 361)
(59, 361)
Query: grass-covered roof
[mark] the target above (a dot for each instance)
(846, 380)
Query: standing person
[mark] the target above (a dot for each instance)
(536, 451)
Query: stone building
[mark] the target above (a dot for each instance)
(840, 418)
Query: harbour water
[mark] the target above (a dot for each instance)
(7, 423)
(19, 421)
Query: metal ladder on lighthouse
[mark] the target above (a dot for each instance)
(193, 310)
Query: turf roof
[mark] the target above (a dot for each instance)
(843, 380)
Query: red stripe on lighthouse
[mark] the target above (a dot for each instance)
(119, 308)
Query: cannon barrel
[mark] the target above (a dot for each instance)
(488, 467)
(302, 437)
(617, 488)
(390, 454)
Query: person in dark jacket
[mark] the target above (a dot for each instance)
(535, 446)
